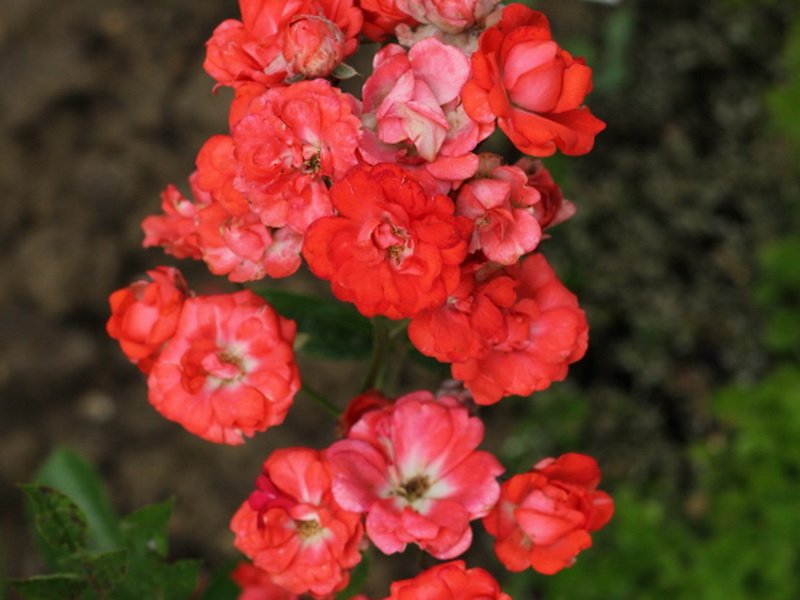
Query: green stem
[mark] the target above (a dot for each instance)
(380, 345)
(321, 400)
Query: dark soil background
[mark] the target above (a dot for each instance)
(104, 103)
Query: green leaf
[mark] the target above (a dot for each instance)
(180, 579)
(221, 586)
(63, 586)
(58, 520)
(105, 569)
(64, 470)
(332, 329)
(144, 531)
(344, 71)
(357, 578)
(152, 578)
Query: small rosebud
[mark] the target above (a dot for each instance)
(313, 46)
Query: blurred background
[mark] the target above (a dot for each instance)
(685, 253)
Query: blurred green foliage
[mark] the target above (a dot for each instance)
(93, 553)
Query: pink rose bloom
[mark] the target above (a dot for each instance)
(413, 113)
(293, 529)
(291, 141)
(414, 469)
(256, 584)
(502, 207)
(451, 16)
(229, 369)
(144, 315)
(253, 49)
(244, 249)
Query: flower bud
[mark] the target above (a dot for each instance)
(313, 46)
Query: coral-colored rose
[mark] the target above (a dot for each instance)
(313, 46)
(502, 207)
(243, 248)
(545, 331)
(469, 323)
(448, 15)
(381, 17)
(144, 315)
(553, 208)
(256, 584)
(253, 49)
(414, 469)
(229, 369)
(413, 111)
(292, 528)
(175, 229)
(288, 143)
(449, 581)
(216, 173)
(358, 406)
(534, 88)
(391, 249)
(511, 330)
(544, 516)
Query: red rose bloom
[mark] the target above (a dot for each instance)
(449, 581)
(292, 528)
(228, 370)
(543, 332)
(145, 314)
(544, 517)
(533, 87)
(392, 249)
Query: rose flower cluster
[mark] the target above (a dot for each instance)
(388, 198)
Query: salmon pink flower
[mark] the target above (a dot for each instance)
(293, 529)
(313, 46)
(256, 584)
(288, 143)
(243, 248)
(448, 15)
(413, 111)
(228, 370)
(391, 249)
(502, 207)
(534, 88)
(175, 230)
(253, 49)
(544, 516)
(144, 315)
(449, 581)
(414, 469)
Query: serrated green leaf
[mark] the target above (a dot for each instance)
(61, 586)
(64, 470)
(105, 569)
(144, 531)
(58, 520)
(333, 330)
